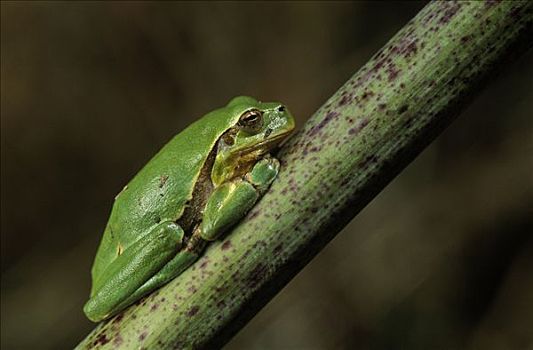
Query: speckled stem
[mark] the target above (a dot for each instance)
(345, 154)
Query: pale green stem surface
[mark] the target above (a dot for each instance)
(370, 129)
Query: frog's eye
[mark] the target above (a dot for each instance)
(251, 121)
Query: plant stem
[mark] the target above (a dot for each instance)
(358, 141)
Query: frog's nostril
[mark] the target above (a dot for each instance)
(281, 108)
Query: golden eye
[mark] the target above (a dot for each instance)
(251, 121)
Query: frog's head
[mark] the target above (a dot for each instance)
(259, 128)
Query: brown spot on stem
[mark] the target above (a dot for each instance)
(403, 109)
(329, 117)
(118, 318)
(102, 339)
(344, 100)
(162, 180)
(450, 11)
(193, 311)
(361, 123)
(226, 245)
(256, 276)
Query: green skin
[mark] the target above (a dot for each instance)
(205, 179)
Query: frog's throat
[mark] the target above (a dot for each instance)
(234, 165)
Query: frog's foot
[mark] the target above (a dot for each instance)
(130, 270)
(231, 201)
(263, 173)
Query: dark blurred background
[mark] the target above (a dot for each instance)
(441, 259)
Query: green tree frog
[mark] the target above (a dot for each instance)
(196, 187)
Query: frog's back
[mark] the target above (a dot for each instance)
(160, 191)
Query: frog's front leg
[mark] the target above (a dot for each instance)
(131, 269)
(231, 201)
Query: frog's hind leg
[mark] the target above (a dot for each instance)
(171, 270)
(129, 271)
